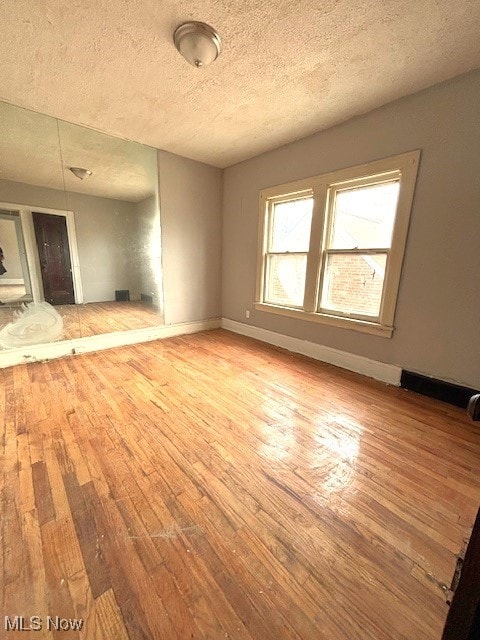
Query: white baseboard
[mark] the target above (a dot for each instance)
(10, 281)
(41, 352)
(388, 373)
(380, 371)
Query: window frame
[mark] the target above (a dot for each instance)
(403, 167)
(270, 208)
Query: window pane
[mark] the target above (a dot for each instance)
(353, 283)
(364, 217)
(291, 222)
(286, 280)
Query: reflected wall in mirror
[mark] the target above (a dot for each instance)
(15, 286)
(86, 242)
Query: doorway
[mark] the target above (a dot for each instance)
(15, 285)
(55, 260)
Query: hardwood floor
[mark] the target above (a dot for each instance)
(95, 318)
(210, 486)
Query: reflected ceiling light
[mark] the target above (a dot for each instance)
(198, 43)
(80, 173)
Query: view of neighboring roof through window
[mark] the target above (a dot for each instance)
(362, 219)
(287, 252)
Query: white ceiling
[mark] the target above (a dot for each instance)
(288, 68)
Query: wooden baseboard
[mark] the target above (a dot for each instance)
(11, 281)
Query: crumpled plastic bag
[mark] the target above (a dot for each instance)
(33, 323)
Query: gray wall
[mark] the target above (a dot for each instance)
(438, 311)
(106, 238)
(106, 232)
(148, 254)
(191, 222)
(9, 245)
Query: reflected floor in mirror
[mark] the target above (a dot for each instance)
(96, 318)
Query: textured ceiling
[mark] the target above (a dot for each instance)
(288, 68)
(36, 149)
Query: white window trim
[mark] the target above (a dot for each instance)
(271, 202)
(404, 166)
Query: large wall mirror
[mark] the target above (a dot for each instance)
(79, 232)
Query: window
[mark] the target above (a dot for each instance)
(287, 251)
(331, 247)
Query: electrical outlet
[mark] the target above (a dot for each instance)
(247, 314)
(78, 349)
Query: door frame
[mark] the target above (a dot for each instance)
(21, 248)
(26, 217)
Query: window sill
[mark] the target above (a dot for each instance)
(363, 326)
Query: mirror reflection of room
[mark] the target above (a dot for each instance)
(79, 229)
(15, 285)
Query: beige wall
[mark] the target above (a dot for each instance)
(191, 222)
(105, 236)
(9, 245)
(438, 311)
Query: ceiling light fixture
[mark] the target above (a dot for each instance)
(80, 173)
(198, 43)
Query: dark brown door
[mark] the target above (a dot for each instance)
(463, 620)
(54, 253)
